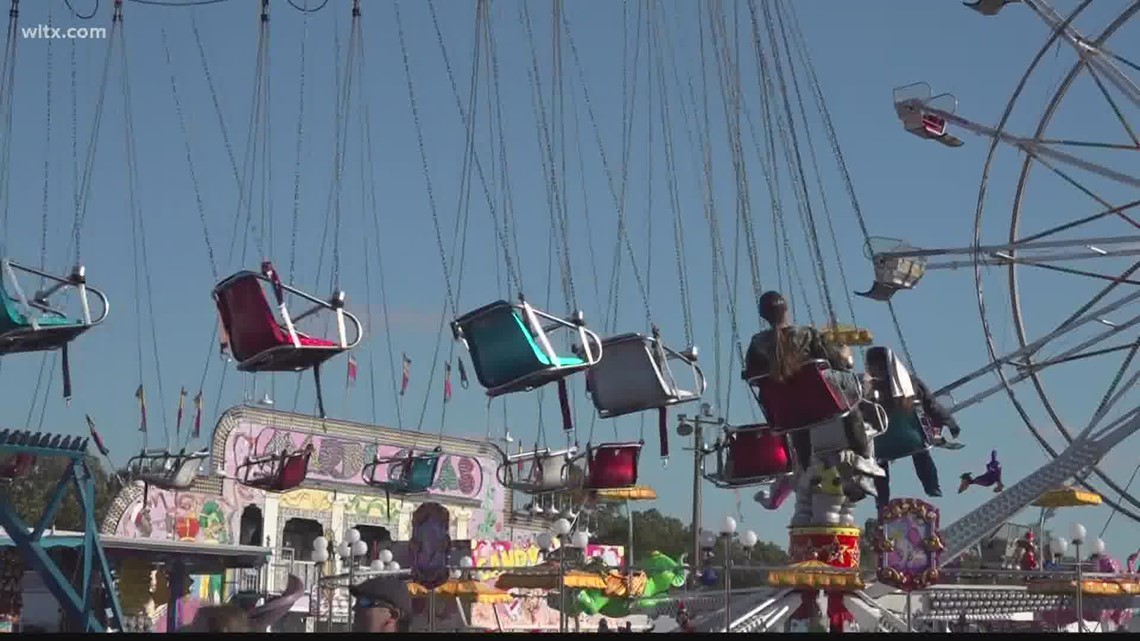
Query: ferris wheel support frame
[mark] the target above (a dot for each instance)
(921, 118)
(1060, 28)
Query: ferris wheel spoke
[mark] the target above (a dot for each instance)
(1112, 104)
(1092, 52)
(1114, 211)
(1018, 357)
(1112, 395)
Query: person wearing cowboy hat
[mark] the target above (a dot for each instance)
(382, 605)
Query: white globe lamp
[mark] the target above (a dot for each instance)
(561, 527)
(393, 566)
(352, 536)
(728, 526)
(376, 564)
(545, 541)
(1078, 532)
(320, 556)
(320, 543)
(580, 540)
(360, 548)
(385, 556)
(749, 539)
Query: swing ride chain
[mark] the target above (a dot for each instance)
(470, 152)
(299, 149)
(797, 164)
(833, 140)
(554, 195)
(671, 185)
(619, 205)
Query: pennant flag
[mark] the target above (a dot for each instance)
(95, 437)
(139, 394)
(462, 374)
(447, 381)
(197, 415)
(351, 370)
(407, 374)
(181, 407)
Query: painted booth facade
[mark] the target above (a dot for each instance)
(217, 509)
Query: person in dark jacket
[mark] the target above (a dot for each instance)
(383, 604)
(881, 365)
(780, 351)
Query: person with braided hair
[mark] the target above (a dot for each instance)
(780, 351)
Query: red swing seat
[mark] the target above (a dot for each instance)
(262, 344)
(804, 401)
(612, 465)
(276, 472)
(751, 455)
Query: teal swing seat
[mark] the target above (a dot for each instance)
(511, 350)
(33, 324)
(908, 433)
(407, 474)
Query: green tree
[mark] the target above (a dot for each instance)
(30, 494)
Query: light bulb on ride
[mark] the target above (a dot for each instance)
(456, 574)
(320, 543)
(561, 527)
(466, 562)
(352, 536)
(728, 526)
(376, 564)
(749, 539)
(385, 556)
(393, 566)
(320, 556)
(580, 540)
(360, 548)
(1058, 545)
(1078, 532)
(545, 541)
(1098, 547)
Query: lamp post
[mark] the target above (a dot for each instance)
(1078, 533)
(728, 529)
(695, 427)
(319, 556)
(561, 529)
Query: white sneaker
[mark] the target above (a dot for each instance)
(869, 467)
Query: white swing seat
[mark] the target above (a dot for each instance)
(538, 471)
(633, 375)
(831, 436)
(511, 350)
(750, 455)
(166, 470)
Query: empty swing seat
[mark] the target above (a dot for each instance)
(537, 471)
(803, 401)
(750, 455)
(165, 470)
(33, 324)
(407, 474)
(276, 472)
(612, 465)
(259, 342)
(908, 433)
(633, 375)
(511, 350)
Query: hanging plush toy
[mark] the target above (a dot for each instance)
(991, 478)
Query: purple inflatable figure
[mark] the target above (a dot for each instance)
(992, 476)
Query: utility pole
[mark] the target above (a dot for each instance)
(695, 426)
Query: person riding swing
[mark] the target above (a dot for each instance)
(782, 349)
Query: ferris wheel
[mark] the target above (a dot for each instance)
(1056, 234)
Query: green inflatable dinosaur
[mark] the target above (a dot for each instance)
(650, 585)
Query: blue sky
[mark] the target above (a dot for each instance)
(907, 188)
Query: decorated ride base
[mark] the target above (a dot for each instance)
(823, 558)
